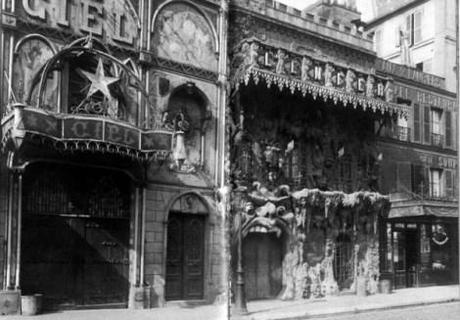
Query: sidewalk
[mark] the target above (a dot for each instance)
(347, 304)
(203, 312)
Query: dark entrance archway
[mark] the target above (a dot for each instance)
(262, 256)
(185, 249)
(75, 235)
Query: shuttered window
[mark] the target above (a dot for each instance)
(426, 125)
(449, 183)
(448, 126)
(416, 123)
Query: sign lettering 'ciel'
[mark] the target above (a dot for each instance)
(112, 20)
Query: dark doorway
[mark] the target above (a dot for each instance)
(75, 236)
(411, 256)
(343, 262)
(185, 256)
(262, 256)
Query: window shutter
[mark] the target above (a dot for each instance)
(426, 125)
(416, 123)
(448, 126)
(417, 26)
(409, 29)
(449, 183)
(418, 180)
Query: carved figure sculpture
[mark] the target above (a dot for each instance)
(389, 91)
(305, 69)
(370, 86)
(281, 56)
(350, 81)
(253, 54)
(328, 75)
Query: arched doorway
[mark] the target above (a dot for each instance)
(262, 256)
(186, 249)
(75, 235)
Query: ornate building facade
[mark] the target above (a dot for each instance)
(121, 120)
(111, 151)
(323, 135)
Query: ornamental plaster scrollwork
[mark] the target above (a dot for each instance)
(314, 76)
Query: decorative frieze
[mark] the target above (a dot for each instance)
(319, 78)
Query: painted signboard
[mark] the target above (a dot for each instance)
(86, 128)
(115, 21)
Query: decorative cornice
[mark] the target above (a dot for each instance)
(184, 69)
(320, 91)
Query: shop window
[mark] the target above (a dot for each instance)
(435, 183)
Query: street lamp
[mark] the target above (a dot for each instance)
(239, 194)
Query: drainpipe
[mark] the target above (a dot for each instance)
(9, 231)
(457, 61)
(142, 236)
(19, 229)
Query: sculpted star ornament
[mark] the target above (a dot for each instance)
(99, 81)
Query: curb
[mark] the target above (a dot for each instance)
(364, 310)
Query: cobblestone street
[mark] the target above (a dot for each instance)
(443, 311)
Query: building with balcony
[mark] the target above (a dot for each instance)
(343, 163)
(417, 33)
(111, 151)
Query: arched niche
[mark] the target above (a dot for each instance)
(30, 55)
(183, 33)
(187, 112)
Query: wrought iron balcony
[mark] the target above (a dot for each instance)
(402, 133)
(437, 139)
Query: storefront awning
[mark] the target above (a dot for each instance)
(423, 210)
(91, 132)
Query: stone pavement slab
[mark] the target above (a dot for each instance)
(207, 312)
(343, 304)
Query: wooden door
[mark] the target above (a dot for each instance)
(262, 257)
(185, 257)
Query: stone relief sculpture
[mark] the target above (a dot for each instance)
(29, 59)
(389, 91)
(328, 73)
(350, 81)
(183, 35)
(370, 86)
(305, 68)
(281, 56)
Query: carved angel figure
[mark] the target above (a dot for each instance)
(305, 69)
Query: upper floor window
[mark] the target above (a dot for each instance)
(435, 183)
(436, 126)
(414, 27)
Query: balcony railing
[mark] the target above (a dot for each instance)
(437, 139)
(402, 133)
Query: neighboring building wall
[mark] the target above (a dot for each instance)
(430, 26)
